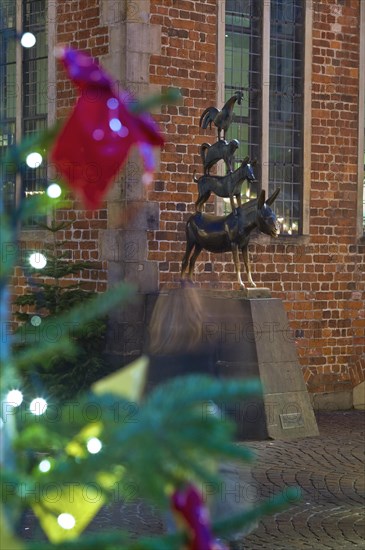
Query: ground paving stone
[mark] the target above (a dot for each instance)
(329, 469)
(330, 472)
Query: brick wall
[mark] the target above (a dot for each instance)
(337, 280)
(78, 24)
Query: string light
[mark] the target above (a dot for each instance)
(115, 124)
(112, 103)
(35, 321)
(66, 521)
(37, 260)
(14, 398)
(54, 190)
(94, 445)
(28, 40)
(34, 160)
(44, 466)
(38, 406)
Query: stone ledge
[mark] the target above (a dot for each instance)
(359, 396)
(247, 293)
(332, 401)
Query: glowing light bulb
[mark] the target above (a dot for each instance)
(112, 103)
(44, 466)
(35, 321)
(94, 445)
(37, 260)
(28, 40)
(66, 521)
(54, 190)
(14, 398)
(38, 406)
(34, 160)
(115, 124)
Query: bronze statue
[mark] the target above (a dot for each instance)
(221, 150)
(221, 119)
(224, 186)
(229, 233)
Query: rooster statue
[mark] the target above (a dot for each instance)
(221, 119)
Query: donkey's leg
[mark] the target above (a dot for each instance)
(246, 261)
(237, 265)
(185, 261)
(193, 259)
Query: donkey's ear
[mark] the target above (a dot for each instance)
(271, 199)
(246, 160)
(261, 200)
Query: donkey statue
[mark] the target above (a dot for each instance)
(225, 186)
(229, 233)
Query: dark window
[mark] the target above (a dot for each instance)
(31, 83)
(243, 70)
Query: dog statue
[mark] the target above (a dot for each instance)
(221, 150)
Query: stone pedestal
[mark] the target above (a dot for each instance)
(254, 339)
(250, 335)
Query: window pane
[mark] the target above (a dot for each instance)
(7, 96)
(286, 104)
(243, 72)
(35, 81)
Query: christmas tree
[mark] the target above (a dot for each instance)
(49, 447)
(52, 293)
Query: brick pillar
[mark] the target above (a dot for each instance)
(124, 244)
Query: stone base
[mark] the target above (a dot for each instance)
(256, 292)
(332, 401)
(251, 337)
(254, 340)
(359, 396)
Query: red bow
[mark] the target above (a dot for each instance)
(97, 137)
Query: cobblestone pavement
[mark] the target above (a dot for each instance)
(329, 469)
